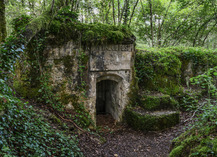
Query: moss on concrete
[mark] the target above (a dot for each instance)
(134, 89)
(195, 142)
(23, 82)
(87, 34)
(150, 122)
(68, 62)
(158, 71)
(25, 90)
(153, 103)
(167, 69)
(66, 99)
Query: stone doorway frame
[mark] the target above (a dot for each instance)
(120, 85)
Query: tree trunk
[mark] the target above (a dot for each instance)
(23, 3)
(151, 23)
(113, 6)
(119, 12)
(161, 25)
(107, 13)
(122, 12)
(133, 12)
(204, 40)
(126, 12)
(3, 32)
(41, 21)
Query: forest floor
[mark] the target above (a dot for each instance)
(122, 141)
(118, 140)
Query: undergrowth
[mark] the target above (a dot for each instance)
(24, 133)
(200, 139)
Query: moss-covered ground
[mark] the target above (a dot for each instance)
(196, 142)
(139, 119)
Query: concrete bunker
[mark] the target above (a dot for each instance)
(107, 73)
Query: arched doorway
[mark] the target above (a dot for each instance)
(111, 97)
(107, 97)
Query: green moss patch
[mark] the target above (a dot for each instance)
(153, 103)
(167, 69)
(158, 71)
(142, 120)
(195, 146)
(88, 34)
(196, 142)
(25, 90)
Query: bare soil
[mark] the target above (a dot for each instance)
(118, 140)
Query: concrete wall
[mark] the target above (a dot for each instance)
(106, 62)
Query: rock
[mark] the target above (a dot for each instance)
(140, 119)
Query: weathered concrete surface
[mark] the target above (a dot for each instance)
(106, 62)
(111, 62)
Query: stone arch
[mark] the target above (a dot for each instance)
(109, 95)
(113, 77)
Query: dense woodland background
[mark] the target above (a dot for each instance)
(176, 55)
(156, 23)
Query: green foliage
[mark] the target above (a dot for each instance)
(207, 81)
(188, 23)
(20, 22)
(23, 132)
(83, 117)
(165, 69)
(87, 33)
(203, 132)
(65, 15)
(82, 69)
(188, 102)
(47, 96)
(9, 52)
(195, 142)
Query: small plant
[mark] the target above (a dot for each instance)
(207, 82)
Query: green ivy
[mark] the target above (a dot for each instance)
(207, 82)
(20, 22)
(9, 52)
(24, 133)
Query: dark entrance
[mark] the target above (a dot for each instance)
(106, 97)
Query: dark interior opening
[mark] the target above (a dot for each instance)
(105, 96)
